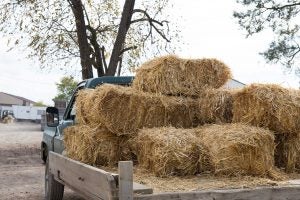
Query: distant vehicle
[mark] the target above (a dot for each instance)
(4, 110)
(33, 113)
(5, 113)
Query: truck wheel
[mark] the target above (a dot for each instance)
(44, 152)
(53, 189)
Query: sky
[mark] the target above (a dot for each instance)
(208, 30)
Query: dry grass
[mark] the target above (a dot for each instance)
(237, 149)
(269, 106)
(84, 103)
(201, 181)
(229, 149)
(123, 110)
(275, 108)
(172, 75)
(287, 152)
(215, 106)
(94, 146)
(168, 151)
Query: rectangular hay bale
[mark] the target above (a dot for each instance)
(167, 151)
(124, 110)
(229, 149)
(82, 104)
(94, 146)
(238, 149)
(276, 108)
(171, 75)
(215, 106)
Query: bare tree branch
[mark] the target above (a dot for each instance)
(127, 49)
(279, 7)
(152, 23)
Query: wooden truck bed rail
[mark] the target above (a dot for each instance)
(96, 184)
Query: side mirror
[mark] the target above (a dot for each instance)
(52, 116)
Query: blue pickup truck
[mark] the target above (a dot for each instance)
(53, 133)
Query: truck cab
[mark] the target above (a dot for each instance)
(5, 113)
(53, 132)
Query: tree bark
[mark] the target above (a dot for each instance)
(121, 36)
(77, 8)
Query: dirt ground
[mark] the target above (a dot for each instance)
(21, 168)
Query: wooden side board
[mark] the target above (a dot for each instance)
(96, 184)
(93, 183)
(90, 182)
(125, 180)
(267, 193)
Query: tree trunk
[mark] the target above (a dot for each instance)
(121, 36)
(77, 8)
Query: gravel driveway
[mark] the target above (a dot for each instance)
(21, 169)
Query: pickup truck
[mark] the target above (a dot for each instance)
(97, 184)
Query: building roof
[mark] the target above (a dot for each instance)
(238, 81)
(18, 97)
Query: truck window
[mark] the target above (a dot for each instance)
(71, 111)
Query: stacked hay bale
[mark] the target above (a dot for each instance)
(276, 108)
(215, 106)
(116, 110)
(230, 149)
(95, 146)
(200, 79)
(124, 110)
(171, 75)
(169, 151)
(237, 149)
(84, 103)
(116, 122)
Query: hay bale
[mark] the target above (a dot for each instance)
(275, 108)
(229, 149)
(269, 106)
(237, 149)
(287, 152)
(215, 106)
(8, 119)
(124, 110)
(93, 146)
(172, 75)
(168, 151)
(83, 103)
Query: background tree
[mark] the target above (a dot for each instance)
(58, 33)
(65, 88)
(40, 103)
(282, 17)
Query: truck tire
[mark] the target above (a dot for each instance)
(53, 189)
(44, 152)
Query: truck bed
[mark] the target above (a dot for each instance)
(204, 181)
(94, 183)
